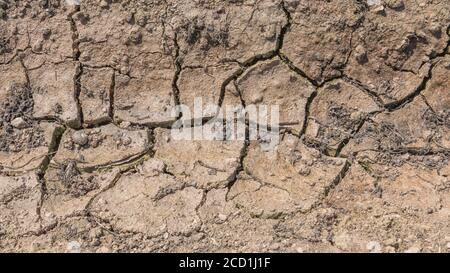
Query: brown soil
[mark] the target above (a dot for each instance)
(87, 162)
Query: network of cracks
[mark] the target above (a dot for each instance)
(88, 162)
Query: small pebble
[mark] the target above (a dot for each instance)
(73, 2)
(379, 10)
(125, 124)
(80, 138)
(373, 2)
(222, 217)
(361, 54)
(74, 247)
(104, 4)
(19, 123)
(374, 247)
(395, 4)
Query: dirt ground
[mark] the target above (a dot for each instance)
(88, 164)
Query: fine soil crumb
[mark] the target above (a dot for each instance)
(18, 106)
(74, 184)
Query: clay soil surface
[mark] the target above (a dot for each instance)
(88, 163)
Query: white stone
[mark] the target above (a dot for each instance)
(80, 138)
(373, 2)
(222, 217)
(374, 247)
(379, 9)
(73, 2)
(74, 247)
(19, 123)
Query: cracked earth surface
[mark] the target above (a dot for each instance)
(87, 161)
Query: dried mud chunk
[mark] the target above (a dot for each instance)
(54, 92)
(437, 95)
(19, 200)
(302, 172)
(398, 47)
(320, 38)
(108, 36)
(95, 95)
(203, 163)
(146, 97)
(314, 228)
(26, 149)
(207, 36)
(385, 202)
(11, 75)
(204, 85)
(118, 37)
(409, 182)
(71, 235)
(216, 209)
(226, 213)
(222, 220)
(52, 38)
(13, 37)
(106, 145)
(7, 42)
(415, 126)
(69, 190)
(261, 201)
(134, 204)
(24, 143)
(437, 92)
(273, 83)
(44, 30)
(336, 112)
(213, 42)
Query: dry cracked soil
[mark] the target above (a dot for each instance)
(88, 163)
